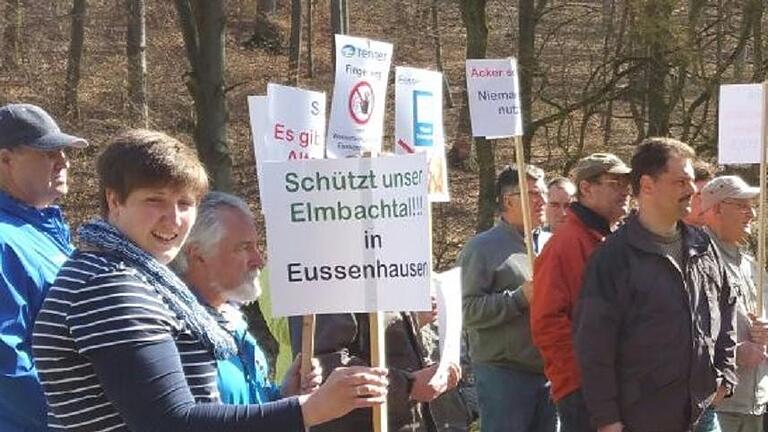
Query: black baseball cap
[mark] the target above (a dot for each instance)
(29, 125)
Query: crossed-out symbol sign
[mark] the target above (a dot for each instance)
(361, 100)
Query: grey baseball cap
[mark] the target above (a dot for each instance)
(596, 164)
(31, 126)
(724, 187)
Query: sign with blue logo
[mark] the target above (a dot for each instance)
(419, 123)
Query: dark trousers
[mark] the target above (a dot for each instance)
(573, 414)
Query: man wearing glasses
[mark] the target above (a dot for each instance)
(602, 199)
(513, 392)
(727, 203)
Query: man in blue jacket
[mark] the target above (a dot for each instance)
(34, 243)
(221, 262)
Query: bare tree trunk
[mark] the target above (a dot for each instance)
(435, 12)
(473, 15)
(267, 6)
(136, 44)
(310, 34)
(294, 57)
(657, 24)
(526, 18)
(202, 25)
(11, 47)
(337, 25)
(758, 75)
(345, 16)
(338, 22)
(77, 37)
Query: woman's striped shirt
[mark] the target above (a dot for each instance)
(97, 302)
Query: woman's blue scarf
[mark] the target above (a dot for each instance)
(178, 297)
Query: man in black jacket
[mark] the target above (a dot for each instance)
(655, 325)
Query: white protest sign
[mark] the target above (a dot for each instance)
(419, 123)
(356, 123)
(740, 125)
(348, 235)
(494, 98)
(448, 291)
(296, 124)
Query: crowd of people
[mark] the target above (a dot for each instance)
(640, 313)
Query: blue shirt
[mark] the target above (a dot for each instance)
(33, 246)
(244, 378)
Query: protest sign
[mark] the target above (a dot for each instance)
(741, 123)
(296, 128)
(419, 123)
(359, 93)
(257, 112)
(742, 136)
(288, 123)
(348, 235)
(448, 291)
(494, 99)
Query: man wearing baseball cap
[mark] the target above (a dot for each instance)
(602, 199)
(34, 243)
(727, 204)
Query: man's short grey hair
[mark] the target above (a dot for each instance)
(208, 229)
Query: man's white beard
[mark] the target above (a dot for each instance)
(248, 291)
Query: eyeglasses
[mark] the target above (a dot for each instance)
(615, 184)
(531, 193)
(744, 207)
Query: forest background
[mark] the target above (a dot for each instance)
(595, 75)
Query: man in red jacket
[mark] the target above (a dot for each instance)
(602, 199)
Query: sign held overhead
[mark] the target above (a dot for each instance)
(494, 98)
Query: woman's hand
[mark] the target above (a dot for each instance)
(344, 390)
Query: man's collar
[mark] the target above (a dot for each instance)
(732, 251)
(695, 240)
(16, 207)
(590, 218)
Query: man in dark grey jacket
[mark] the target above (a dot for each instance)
(512, 391)
(343, 340)
(655, 324)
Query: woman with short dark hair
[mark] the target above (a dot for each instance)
(122, 344)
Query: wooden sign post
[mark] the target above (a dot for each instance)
(378, 359)
(524, 199)
(307, 344)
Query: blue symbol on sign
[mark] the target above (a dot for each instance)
(348, 50)
(423, 118)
